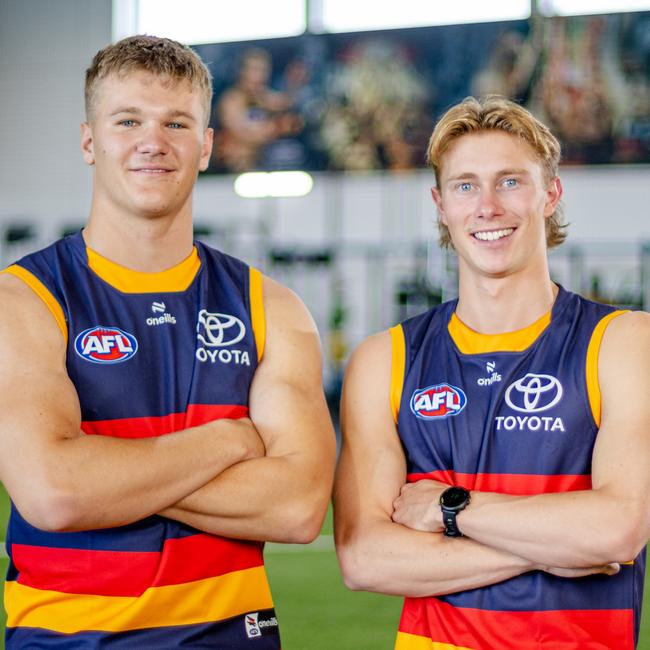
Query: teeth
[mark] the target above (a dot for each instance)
(493, 235)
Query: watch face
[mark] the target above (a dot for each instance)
(453, 497)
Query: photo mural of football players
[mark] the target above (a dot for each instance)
(252, 116)
(376, 109)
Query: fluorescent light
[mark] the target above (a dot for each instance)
(257, 185)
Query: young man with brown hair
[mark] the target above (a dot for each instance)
(162, 404)
(495, 467)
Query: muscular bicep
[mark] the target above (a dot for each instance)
(622, 452)
(372, 467)
(621, 463)
(38, 403)
(287, 404)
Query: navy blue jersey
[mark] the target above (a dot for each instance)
(149, 354)
(515, 414)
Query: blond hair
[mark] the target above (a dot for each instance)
(496, 113)
(159, 56)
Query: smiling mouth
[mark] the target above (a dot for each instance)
(492, 235)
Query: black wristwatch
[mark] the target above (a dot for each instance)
(452, 501)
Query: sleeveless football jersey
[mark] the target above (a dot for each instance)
(517, 414)
(149, 354)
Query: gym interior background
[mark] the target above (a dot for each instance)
(360, 248)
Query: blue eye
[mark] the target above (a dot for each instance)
(176, 125)
(126, 122)
(465, 187)
(511, 182)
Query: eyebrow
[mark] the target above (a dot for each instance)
(134, 110)
(501, 172)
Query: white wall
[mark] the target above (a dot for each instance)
(45, 47)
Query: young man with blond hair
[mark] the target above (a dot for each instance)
(495, 467)
(162, 405)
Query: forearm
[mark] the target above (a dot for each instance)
(278, 499)
(388, 558)
(85, 482)
(571, 529)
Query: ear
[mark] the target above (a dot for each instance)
(437, 199)
(87, 144)
(206, 149)
(554, 193)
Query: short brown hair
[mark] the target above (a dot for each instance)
(159, 56)
(496, 113)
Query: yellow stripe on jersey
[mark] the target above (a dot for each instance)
(202, 601)
(469, 341)
(178, 278)
(591, 370)
(397, 368)
(257, 310)
(406, 641)
(43, 293)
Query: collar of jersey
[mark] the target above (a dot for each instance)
(470, 342)
(178, 278)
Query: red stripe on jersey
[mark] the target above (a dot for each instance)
(130, 573)
(148, 427)
(519, 484)
(487, 630)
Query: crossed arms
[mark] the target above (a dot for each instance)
(267, 478)
(388, 534)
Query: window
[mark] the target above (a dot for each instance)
(361, 15)
(577, 7)
(198, 21)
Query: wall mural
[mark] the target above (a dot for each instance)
(368, 100)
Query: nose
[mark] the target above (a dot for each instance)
(489, 203)
(152, 140)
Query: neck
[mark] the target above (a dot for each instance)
(147, 245)
(499, 305)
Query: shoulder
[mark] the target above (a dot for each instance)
(283, 307)
(26, 322)
(627, 334)
(369, 369)
(375, 351)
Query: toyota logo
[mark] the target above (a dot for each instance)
(534, 393)
(219, 330)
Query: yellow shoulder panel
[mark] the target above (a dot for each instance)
(591, 370)
(43, 293)
(397, 368)
(257, 310)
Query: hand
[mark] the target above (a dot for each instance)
(241, 431)
(610, 569)
(418, 507)
(251, 438)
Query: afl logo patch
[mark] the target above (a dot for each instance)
(105, 345)
(439, 401)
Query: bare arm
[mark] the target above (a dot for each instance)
(282, 496)
(58, 477)
(375, 553)
(609, 523)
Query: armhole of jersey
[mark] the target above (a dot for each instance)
(397, 368)
(257, 310)
(591, 370)
(43, 293)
